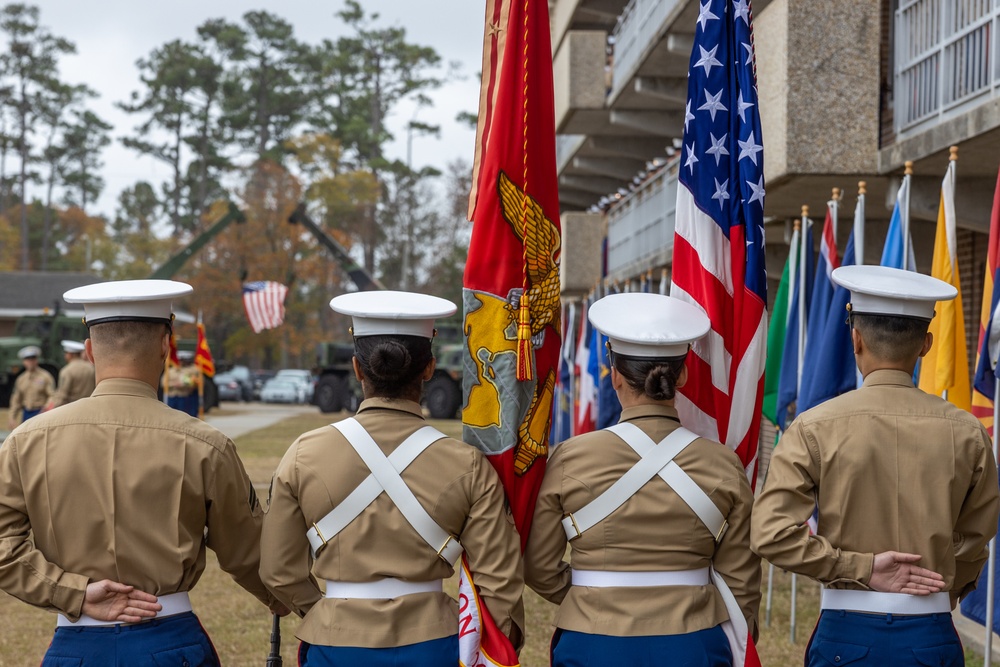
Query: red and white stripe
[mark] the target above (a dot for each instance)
(586, 407)
(724, 392)
(828, 245)
(265, 307)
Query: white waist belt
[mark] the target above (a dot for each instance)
(383, 589)
(608, 579)
(874, 602)
(175, 603)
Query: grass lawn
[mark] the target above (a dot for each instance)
(240, 626)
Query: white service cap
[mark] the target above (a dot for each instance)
(72, 346)
(882, 290)
(185, 355)
(388, 312)
(29, 351)
(128, 300)
(648, 325)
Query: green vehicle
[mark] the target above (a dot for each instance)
(45, 331)
(49, 330)
(337, 389)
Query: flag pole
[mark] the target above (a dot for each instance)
(859, 225)
(572, 371)
(770, 592)
(905, 212)
(991, 562)
(793, 271)
(801, 359)
(201, 382)
(802, 300)
(835, 210)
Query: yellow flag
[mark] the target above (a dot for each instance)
(946, 366)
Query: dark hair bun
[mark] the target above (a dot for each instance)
(661, 383)
(393, 364)
(390, 360)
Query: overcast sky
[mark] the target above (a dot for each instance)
(110, 35)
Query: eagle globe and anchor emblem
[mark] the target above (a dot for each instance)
(502, 412)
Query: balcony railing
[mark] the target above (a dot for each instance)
(946, 59)
(638, 25)
(641, 226)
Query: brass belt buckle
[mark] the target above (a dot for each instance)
(322, 538)
(576, 526)
(440, 552)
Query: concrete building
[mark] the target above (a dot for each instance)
(849, 91)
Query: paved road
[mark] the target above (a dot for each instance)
(245, 417)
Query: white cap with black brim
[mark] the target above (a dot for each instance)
(392, 313)
(128, 300)
(883, 290)
(647, 325)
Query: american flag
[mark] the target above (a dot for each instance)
(264, 302)
(719, 243)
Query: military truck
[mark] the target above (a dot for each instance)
(47, 332)
(337, 389)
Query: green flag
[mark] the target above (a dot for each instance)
(776, 342)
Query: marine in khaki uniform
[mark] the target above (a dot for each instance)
(76, 378)
(381, 555)
(182, 384)
(649, 577)
(108, 504)
(905, 484)
(32, 388)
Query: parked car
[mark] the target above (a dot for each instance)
(235, 384)
(283, 390)
(303, 377)
(229, 387)
(259, 379)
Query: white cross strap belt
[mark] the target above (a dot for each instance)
(175, 603)
(735, 629)
(365, 494)
(653, 459)
(609, 579)
(382, 589)
(874, 602)
(385, 477)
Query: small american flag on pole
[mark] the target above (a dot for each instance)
(719, 240)
(264, 302)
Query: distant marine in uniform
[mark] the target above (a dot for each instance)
(657, 519)
(905, 485)
(76, 378)
(381, 507)
(182, 384)
(108, 504)
(32, 388)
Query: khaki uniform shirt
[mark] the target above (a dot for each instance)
(76, 381)
(119, 486)
(32, 390)
(653, 531)
(453, 481)
(892, 469)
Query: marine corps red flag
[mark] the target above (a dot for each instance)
(202, 355)
(511, 291)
